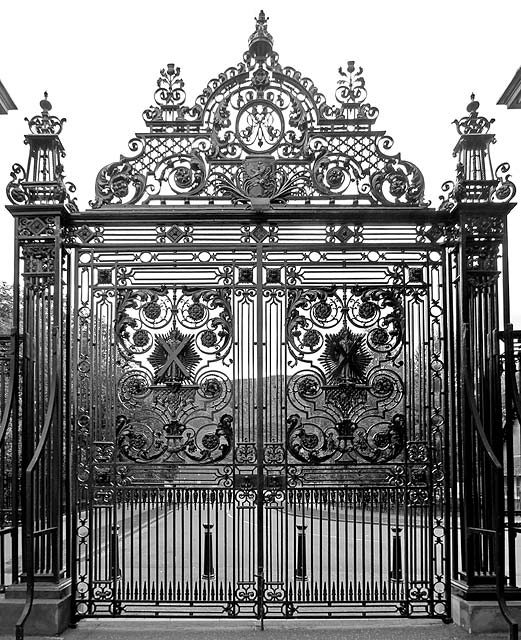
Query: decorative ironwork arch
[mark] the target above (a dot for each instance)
(260, 135)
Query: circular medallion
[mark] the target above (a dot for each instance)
(259, 127)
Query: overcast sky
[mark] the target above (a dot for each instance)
(99, 61)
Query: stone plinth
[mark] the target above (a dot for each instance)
(482, 616)
(50, 613)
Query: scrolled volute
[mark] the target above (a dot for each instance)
(505, 189)
(185, 174)
(118, 183)
(333, 173)
(15, 189)
(399, 183)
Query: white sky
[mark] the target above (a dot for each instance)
(99, 61)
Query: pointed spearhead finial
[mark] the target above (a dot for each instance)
(261, 42)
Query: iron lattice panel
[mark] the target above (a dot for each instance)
(327, 359)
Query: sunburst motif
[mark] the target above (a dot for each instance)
(174, 356)
(345, 356)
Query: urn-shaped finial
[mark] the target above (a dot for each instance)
(261, 42)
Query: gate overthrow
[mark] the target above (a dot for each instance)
(276, 358)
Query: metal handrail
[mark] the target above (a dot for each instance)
(498, 532)
(29, 536)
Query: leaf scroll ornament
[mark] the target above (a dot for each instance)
(118, 183)
(399, 184)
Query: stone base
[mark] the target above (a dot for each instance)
(482, 616)
(50, 613)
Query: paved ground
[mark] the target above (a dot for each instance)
(140, 629)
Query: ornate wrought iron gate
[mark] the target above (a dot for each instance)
(260, 426)
(259, 363)
(272, 371)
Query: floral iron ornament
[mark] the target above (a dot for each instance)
(144, 439)
(306, 149)
(373, 440)
(345, 405)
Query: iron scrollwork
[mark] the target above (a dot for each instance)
(304, 147)
(141, 311)
(398, 183)
(351, 377)
(174, 404)
(119, 182)
(146, 438)
(372, 439)
(311, 443)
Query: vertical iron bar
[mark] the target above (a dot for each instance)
(260, 437)
(15, 417)
(301, 569)
(509, 436)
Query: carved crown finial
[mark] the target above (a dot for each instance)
(44, 124)
(473, 123)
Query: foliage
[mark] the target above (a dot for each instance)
(6, 307)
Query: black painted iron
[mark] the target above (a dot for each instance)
(279, 386)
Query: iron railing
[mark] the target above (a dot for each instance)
(175, 550)
(501, 479)
(9, 458)
(41, 545)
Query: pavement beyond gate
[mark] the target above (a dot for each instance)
(371, 629)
